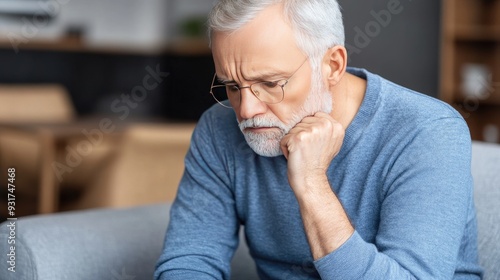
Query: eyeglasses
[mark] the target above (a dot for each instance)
(269, 92)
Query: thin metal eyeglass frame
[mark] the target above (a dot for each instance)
(251, 90)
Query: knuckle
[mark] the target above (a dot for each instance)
(337, 127)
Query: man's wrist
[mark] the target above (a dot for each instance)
(325, 220)
(311, 184)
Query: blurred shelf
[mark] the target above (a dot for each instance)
(478, 33)
(70, 44)
(189, 46)
(490, 98)
(478, 101)
(470, 62)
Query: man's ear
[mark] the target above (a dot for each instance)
(334, 65)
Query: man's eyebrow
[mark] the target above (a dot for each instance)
(225, 81)
(271, 75)
(266, 76)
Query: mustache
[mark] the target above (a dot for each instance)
(260, 121)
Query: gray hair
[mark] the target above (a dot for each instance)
(317, 23)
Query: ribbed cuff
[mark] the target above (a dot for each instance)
(349, 261)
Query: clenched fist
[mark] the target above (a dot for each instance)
(309, 147)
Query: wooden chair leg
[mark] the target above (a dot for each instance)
(48, 200)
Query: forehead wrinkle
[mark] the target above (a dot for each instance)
(233, 71)
(265, 74)
(270, 74)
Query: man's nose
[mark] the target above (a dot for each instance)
(250, 105)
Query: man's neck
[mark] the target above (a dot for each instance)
(348, 95)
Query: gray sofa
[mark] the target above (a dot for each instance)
(120, 244)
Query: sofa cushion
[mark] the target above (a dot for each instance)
(486, 173)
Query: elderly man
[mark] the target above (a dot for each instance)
(349, 176)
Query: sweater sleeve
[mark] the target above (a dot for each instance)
(202, 234)
(425, 209)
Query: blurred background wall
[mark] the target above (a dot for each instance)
(398, 40)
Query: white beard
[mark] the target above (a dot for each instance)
(268, 143)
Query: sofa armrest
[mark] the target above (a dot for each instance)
(94, 244)
(486, 174)
(90, 244)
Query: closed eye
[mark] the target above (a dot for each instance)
(269, 84)
(274, 84)
(232, 88)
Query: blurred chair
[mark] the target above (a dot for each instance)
(30, 116)
(147, 169)
(21, 148)
(37, 103)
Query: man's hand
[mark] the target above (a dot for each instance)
(310, 147)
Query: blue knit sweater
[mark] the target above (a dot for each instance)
(402, 175)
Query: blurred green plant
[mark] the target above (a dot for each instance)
(193, 27)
